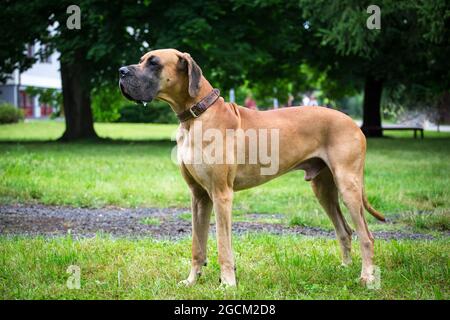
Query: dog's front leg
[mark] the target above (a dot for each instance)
(201, 214)
(223, 202)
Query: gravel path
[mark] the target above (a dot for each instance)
(161, 223)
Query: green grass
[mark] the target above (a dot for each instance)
(268, 267)
(438, 220)
(406, 179)
(52, 130)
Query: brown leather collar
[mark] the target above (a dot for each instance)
(197, 109)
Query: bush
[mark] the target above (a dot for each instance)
(10, 114)
(155, 112)
(106, 103)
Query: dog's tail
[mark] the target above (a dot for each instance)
(370, 209)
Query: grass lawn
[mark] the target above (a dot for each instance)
(52, 130)
(268, 267)
(406, 179)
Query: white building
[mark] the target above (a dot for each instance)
(43, 74)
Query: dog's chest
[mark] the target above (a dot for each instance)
(184, 146)
(189, 156)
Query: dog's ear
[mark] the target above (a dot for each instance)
(193, 71)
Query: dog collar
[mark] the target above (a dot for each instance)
(197, 109)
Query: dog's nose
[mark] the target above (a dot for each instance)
(123, 71)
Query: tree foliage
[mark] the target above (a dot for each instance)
(411, 48)
(290, 45)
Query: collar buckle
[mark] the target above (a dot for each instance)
(193, 113)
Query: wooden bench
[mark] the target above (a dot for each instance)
(404, 127)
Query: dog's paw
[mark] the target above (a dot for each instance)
(186, 283)
(226, 286)
(227, 283)
(191, 280)
(369, 281)
(371, 278)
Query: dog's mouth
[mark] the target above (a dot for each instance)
(124, 93)
(129, 97)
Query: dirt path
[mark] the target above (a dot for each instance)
(155, 222)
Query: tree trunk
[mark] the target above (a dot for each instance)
(372, 107)
(77, 102)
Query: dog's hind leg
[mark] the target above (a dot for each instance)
(201, 214)
(345, 158)
(350, 185)
(326, 192)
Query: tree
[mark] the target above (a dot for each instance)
(409, 48)
(261, 43)
(18, 29)
(90, 56)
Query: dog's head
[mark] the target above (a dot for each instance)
(159, 72)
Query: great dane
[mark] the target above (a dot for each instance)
(325, 143)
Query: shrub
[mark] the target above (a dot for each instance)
(155, 112)
(10, 114)
(106, 103)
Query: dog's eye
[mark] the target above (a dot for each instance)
(152, 62)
